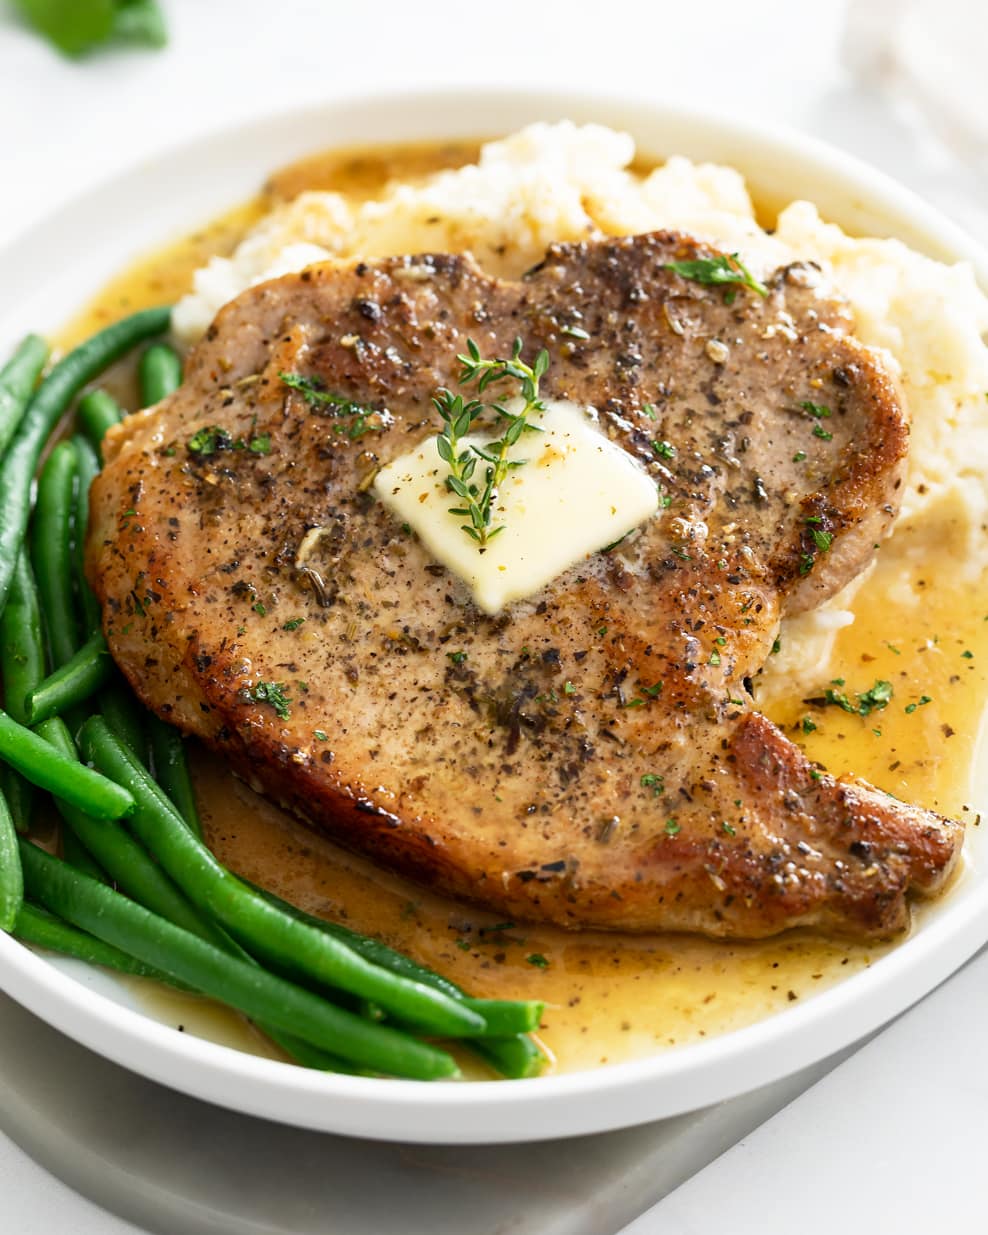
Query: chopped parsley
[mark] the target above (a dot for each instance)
(665, 450)
(807, 725)
(271, 693)
(214, 439)
(816, 410)
(875, 699)
(672, 827)
(360, 416)
(209, 441)
(728, 829)
(717, 271)
(320, 735)
(822, 540)
(820, 432)
(654, 781)
(921, 702)
(799, 456)
(456, 657)
(293, 624)
(537, 959)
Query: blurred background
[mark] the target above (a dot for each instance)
(900, 82)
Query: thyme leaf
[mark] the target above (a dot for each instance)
(719, 270)
(459, 416)
(361, 417)
(271, 693)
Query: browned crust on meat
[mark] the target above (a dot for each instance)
(481, 776)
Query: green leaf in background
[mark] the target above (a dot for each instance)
(140, 21)
(76, 26)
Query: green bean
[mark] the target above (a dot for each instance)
(76, 854)
(171, 770)
(22, 664)
(88, 470)
(11, 879)
(22, 648)
(17, 380)
(159, 373)
(75, 682)
(514, 1054)
(309, 1056)
(51, 551)
(124, 860)
(503, 1017)
(267, 932)
(20, 797)
(97, 412)
(44, 930)
(266, 998)
(125, 717)
(80, 786)
(46, 407)
(516, 1057)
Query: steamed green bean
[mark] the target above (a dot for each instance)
(72, 684)
(17, 380)
(261, 995)
(46, 407)
(266, 931)
(97, 412)
(51, 551)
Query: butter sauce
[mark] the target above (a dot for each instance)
(609, 998)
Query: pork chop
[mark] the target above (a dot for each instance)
(591, 756)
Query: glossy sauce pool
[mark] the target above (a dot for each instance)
(608, 998)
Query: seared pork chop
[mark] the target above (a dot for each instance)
(591, 756)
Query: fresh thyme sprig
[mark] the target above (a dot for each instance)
(458, 417)
(717, 271)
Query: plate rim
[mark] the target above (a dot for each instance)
(616, 1095)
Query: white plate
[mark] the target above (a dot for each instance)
(59, 263)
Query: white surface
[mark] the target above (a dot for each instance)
(180, 1167)
(132, 211)
(74, 123)
(893, 1140)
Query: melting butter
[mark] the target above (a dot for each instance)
(576, 493)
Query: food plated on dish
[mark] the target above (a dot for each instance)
(547, 708)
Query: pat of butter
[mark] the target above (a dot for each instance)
(577, 493)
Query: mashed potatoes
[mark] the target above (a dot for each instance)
(563, 182)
